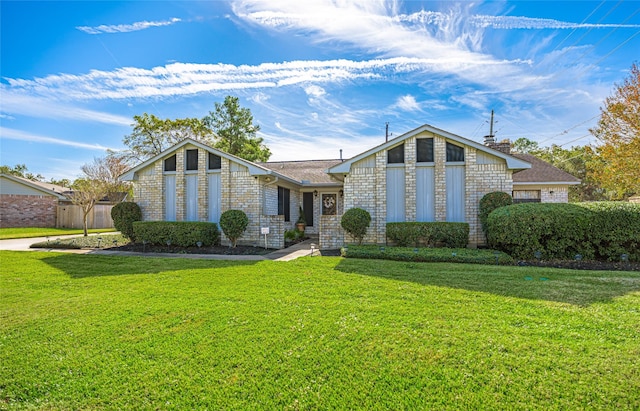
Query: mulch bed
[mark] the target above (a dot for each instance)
(585, 265)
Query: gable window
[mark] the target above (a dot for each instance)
(396, 155)
(192, 159)
(424, 148)
(215, 162)
(454, 153)
(170, 163)
(284, 200)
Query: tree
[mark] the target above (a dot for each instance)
(236, 133)
(152, 135)
(525, 146)
(21, 170)
(99, 181)
(617, 167)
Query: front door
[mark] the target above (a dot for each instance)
(307, 206)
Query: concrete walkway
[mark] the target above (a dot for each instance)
(302, 249)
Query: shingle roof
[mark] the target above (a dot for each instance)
(39, 185)
(541, 172)
(306, 172)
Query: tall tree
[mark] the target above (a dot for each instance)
(21, 170)
(236, 133)
(152, 135)
(618, 130)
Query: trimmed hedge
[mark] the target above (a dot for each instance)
(179, 233)
(124, 215)
(233, 224)
(453, 235)
(433, 255)
(490, 202)
(601, 231)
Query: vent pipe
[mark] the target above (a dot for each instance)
(340, 154)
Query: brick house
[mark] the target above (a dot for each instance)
(426, 174)
(27, 203)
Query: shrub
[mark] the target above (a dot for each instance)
(124, 215)
(490, 202)
(179, 233)
(233, 224)
(614, 229)
(355, 222)
(455, 235)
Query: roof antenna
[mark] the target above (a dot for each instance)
(386, 132)
(489, 140)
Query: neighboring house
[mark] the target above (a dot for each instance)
(426, 174)
(27, 203)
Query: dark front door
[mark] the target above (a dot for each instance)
(307, 206)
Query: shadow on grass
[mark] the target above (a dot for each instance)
(82, 266)
(565, 286)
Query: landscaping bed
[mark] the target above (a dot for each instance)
(219, 249)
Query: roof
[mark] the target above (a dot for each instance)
(310, 172)
(513, 163)
(541, 172)
(46, 188)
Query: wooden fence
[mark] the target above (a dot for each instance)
(70, 216)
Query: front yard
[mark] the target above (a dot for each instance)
(99, 332)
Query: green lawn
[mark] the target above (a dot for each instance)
(7, 233)
(99, 332)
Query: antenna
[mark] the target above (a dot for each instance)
(488, 140)
(386, 131)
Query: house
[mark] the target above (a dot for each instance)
(27, 203)
(426, 174)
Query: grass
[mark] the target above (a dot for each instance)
(98, 332)
(8, 233)
(428, 254)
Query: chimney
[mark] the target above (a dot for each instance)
(504, 146)
(341, 155)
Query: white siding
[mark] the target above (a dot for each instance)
(395, 194)
(191, 197)
(425, 194)
(215, 197)
(455, 193)
(170, 198)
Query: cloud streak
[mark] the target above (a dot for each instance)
(126, 28)
(13, 134)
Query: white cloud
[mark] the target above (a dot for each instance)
(315, 91)
(42, 107)
(13, 134)
(407, 103)
(126, 28)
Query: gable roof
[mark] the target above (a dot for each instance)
(513, 163)
(254, 169)
(308, 172)
(541, 172)
(45, 188)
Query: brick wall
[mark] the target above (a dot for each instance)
(332, 235)
(27, 211)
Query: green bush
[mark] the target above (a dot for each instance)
(178, 233)
(602, 231)
(124, 215)
(614, 229)
(454, 235)
(293, 235)
(233, 224)
(490, 202)
(355, 222)
(434, 255)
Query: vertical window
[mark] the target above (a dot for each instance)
(192, 159)
(424, 148)
(284, 200)
(396, 155)
(170, 163)
(454, 153)
(215, 162)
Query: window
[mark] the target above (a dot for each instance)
(424, 147)
(284, 206)
(526, 196)
(170, 163)
(192, 159)
(215, 162)
(454, 153)
(396, 155)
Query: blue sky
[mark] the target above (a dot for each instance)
(318, 76)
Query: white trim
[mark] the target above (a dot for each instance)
(546, 183)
